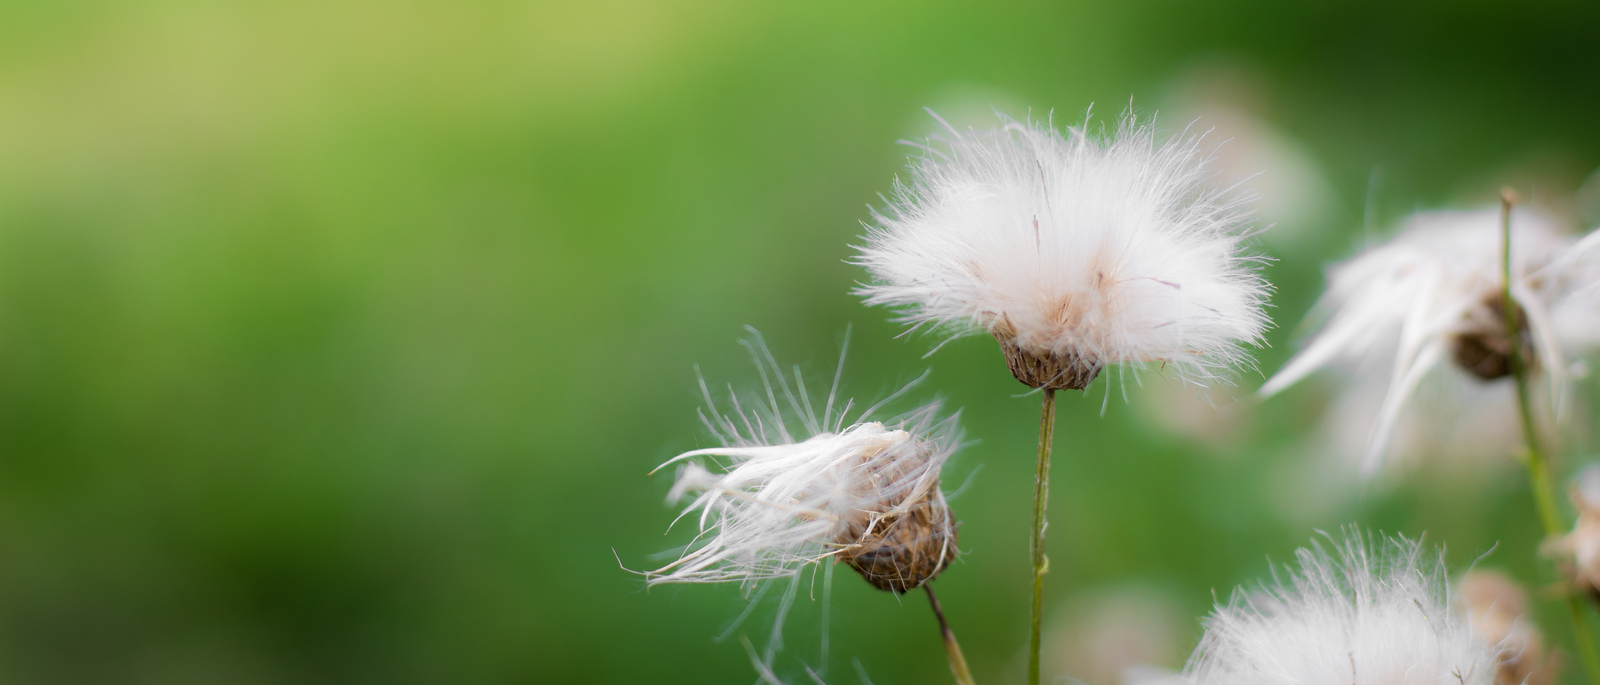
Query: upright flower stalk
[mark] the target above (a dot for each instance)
(1041, 500)
(1538, 464)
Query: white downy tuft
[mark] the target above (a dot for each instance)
(790, 487)
(1353, 616)
(1431, 295)
(1076, 251)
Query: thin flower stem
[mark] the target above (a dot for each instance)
(1539, 479)
(952, 649)
(1041, 497)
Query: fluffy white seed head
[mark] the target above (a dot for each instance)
(1076, 251)
(790, 487)
(1430, 297)
(1353, 616)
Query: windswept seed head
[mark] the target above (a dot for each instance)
(1075, 251)
(789, 487)
(1352, 616)
(1433, 294)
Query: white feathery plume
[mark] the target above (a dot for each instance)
(795, 488)
(1076, 251)
(1432, 294)
(1452, 421)
(1355, 616)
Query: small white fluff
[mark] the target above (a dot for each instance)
(798, 487)
(1094, 250)
(1356, 616)
(1424, 297)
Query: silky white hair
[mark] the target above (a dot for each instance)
(1405, 299)
(793, 480)
(1116, 249)
(1356, 615)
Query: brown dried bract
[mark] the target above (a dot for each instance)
(900, 552)
(1049, 371)
(1482, 348)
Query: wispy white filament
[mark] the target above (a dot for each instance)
(1115, 248)
(1405, 301)
(1353, 616)
(787, 482)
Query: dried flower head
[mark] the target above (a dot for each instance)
(1433, 293)
(798, 487)
(1074, 251)
(1579, 550)
(1356, 616)
(1497, 609)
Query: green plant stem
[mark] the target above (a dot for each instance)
(952, 649)
(1041, 497)
(1539, 479)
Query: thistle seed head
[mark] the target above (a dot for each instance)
(1432, 297)
(792, 487)
(1075, 250)
(1482, 347)
(1358, 615)
(898, 552)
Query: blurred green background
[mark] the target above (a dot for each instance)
(337, 337)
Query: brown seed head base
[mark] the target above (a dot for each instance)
(1049, 371)
(899, 553)
(1483, 349)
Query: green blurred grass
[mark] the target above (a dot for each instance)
(336, 338)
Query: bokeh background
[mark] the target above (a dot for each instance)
(337, 337)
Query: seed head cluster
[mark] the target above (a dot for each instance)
(1080, 251)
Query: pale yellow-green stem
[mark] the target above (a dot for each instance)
(1041, 497)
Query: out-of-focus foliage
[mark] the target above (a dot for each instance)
(337, 338)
